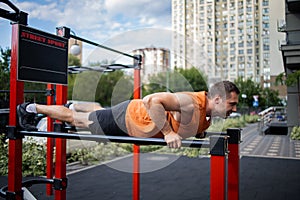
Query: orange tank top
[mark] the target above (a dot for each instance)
(139, 123)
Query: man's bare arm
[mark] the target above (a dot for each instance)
(156, 105)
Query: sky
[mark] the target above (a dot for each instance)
(121, 24)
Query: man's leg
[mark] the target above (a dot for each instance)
(86, 107)
(27, 113)
(56, 112)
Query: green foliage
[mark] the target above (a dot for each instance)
(270, 97)
(267, 97)
(293, 78)
(4, 68)
(249, 88)
(34, 157)
(196, 78)
(35, 96)
(251, 118)
(280, 79)
(113, 88)
(94, 154)
(3, 155)
(185, 151)
(143, 148)
(4, 76)
(295, 134)
(239, 122)
(105, 88)
(176, 81)
(73, 60)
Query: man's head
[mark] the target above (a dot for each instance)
(223, 98)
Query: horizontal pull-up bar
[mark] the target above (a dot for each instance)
(118, 139)
(103, 47)
(17, 16)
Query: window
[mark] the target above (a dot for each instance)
(265, 2)
(266, 47)
(265, 10)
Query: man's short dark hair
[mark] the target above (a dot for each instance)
(223, 88)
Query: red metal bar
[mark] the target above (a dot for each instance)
(136, 148)
(16, 97)
(60, 162)
(136, 172)
(233, 171)
(50, 144)
(217, 177)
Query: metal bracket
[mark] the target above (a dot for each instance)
(234, 135)
(137, 62)
(60, 184)
(19, 17)
(13, 195)
(12, 133)
(50, 92)
(218, 145)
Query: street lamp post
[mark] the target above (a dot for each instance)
(244, 96)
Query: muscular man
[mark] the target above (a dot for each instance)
(172, 116)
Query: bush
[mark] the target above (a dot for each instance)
(185, 151)
(295, 134)
(100, 152)
(3, 155)
(34, 157)
(251, 118)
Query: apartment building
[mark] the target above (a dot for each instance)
(154, 60)
(227, 39)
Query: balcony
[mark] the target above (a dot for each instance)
(281, 25)
(291, 56)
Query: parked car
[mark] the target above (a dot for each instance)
(235, 115)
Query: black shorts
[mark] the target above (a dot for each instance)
(109, 121)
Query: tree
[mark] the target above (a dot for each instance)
(73, 60)
(4, 68)
(269, 98)
(249, 88)
(293, 78)
(4, 75)
(196, 78)
(106, 88)
(113, 88)
(290, 80)
(176, 81)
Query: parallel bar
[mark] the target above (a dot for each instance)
(117, 139)
(136, 173)
(233, 171)
(217, 177)
(233, 163)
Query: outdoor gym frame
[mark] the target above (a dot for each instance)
(223, 146)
